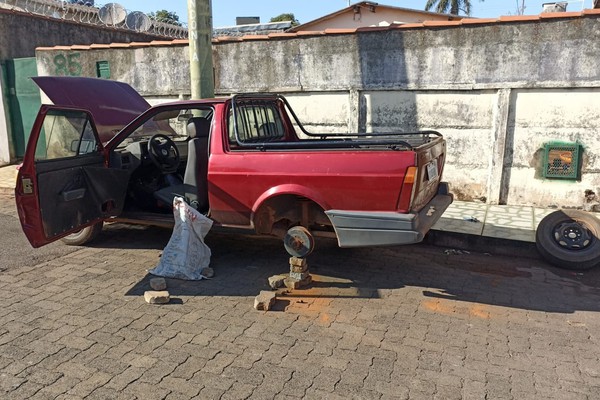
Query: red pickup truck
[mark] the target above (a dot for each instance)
(101, 153)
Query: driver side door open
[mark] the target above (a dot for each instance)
(64, 183)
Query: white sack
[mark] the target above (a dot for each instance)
(186, 254)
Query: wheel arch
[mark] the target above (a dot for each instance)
(292, 202)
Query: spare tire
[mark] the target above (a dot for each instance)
(569, 239)
(83, 236)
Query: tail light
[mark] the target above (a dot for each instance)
(407, 190)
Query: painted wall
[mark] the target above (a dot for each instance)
(498, 92)
(5, 142)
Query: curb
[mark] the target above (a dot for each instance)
(482, 244)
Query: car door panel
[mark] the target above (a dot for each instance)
(79, 194)
(64, 183)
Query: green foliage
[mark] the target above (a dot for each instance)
(165, 16)
(449, 6)
(286, 17)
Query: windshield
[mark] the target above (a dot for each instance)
(171, 122)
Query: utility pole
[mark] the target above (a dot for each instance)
(200, 37)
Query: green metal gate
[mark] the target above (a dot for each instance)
(23, 100)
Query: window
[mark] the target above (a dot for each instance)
(256, 123)
(103, 69)
(172, 122)
(67, 134)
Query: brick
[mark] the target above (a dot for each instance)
(298, 262)
(299, 276)
(265, 300)
(277, 281)
(155, 297)
(158, 284)
(292, 283)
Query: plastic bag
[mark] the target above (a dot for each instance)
(186, 254)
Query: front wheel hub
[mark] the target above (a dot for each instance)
(572, 236)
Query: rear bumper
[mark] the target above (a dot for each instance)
(363, 229)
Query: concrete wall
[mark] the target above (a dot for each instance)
(497, 91)
(21, 33)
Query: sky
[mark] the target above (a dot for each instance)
(225, 11)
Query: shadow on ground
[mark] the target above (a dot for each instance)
(244, 262)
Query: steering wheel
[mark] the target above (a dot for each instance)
(163, 153)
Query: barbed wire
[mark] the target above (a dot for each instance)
(109, 16)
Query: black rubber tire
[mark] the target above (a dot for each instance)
(83, 236)
(585, 230)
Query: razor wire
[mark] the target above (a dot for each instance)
(93, 15)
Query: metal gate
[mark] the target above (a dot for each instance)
(23, 100)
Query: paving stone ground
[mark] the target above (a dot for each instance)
(406, 322)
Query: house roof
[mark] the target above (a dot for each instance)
(593, 13)
(368, 4)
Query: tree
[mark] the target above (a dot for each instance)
(165, 16)
(286, 17)
(449, 6)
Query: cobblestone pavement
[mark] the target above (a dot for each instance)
(407, 322)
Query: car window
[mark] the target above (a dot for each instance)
(255, 123)
(65, 134)
(171, 122)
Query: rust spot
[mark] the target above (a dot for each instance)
(479, 311)
(437, 307)
(447, 308)
(324, 319)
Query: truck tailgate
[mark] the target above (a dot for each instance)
(430, 159)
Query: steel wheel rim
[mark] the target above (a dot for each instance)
(572, 236)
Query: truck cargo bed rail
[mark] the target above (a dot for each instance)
(391, 140)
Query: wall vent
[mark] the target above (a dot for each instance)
(562, 160)
(103, 69)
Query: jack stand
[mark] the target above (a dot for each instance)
(299, 274)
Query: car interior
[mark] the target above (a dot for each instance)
(167, 156)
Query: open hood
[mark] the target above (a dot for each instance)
(112, 104)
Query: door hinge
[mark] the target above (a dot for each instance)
(27, 185)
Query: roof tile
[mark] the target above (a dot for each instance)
(518, 18)
(225, 39)
(253, 37)
(441, 23)
(410, 26)
(591, 11)
(119, 45)
(161, 43)
(99, 46)
(478, 21)
(568, 14)
(310, 33)
(373, 28)
(282, 35)
(335, 31)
